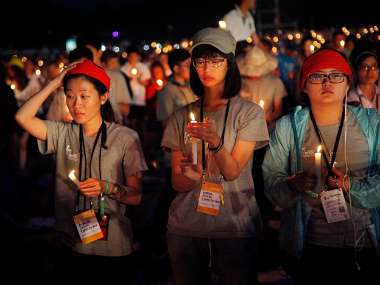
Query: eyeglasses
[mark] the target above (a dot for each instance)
(333, 77)
(368, 67)
(215, 62)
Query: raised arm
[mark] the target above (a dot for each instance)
(26, 115)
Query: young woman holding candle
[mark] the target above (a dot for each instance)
(214, 219)
(325, 250)
(105, 157)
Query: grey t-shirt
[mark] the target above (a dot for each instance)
(171, 98)
(339, 234)
(122, 158)
(239, 216)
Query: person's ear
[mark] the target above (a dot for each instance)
(104, 98)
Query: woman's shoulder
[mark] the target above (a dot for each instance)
(122, 132)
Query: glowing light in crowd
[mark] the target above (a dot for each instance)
(184, 44)
(13, 87)
(159, 82)
(298, 36)
(38, 72)
(342, 43)
(312, 48)
(313, 33)
(124, 54)
(61, 65)
(358, 36)
(274, 50)
(103, 47)
(249, 40)
(40, 63)
(115, 34)
(275, 39)
(146, 47)
(365, 30)
(71, 44)
(134, 71)
(176, 46)
(375, 28)
(24, 59)
(323, 41)
(290, 37)
(158, 51)
(222, 25)
(153, 44)
(319, 37)
(371, 30)
(116, 49)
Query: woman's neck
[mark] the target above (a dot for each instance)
(213, 98)
(92, 127)
(327, 114)
(369, 90)
(179, 79)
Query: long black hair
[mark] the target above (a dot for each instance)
(232, 84)
(106, 110)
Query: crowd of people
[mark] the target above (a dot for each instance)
(194, 156)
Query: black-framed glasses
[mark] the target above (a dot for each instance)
(366, 67)
(333, 77)
(215, 62)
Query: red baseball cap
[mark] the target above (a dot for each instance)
(87, 67)
(324, 58)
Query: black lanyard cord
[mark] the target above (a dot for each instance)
(223, 132)
(102, 134)
(329, 163)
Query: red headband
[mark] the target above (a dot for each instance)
(324, 58)
(92, 70)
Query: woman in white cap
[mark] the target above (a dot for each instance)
(214, 219)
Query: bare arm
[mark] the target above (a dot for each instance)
(26, 115)
(229, 164)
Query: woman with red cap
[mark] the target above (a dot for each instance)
(331, 200)
(98, 168)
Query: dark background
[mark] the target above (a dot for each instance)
(33, 24)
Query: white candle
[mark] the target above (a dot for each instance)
(317, 163)
(74, 178)
(194, 146)
(261, 103)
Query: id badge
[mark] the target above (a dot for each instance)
(88, 226)
(210, 198)
(334, 206)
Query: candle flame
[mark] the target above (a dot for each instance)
(261, 103)
(72, 175)
(134, 71)
(192, 116)
(319, 149)
(159, 82)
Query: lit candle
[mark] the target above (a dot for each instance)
(317, 163)
(74, 178)
(194, 145)
(261, 103)
(134, 71)
(342, 43)
(159, 82)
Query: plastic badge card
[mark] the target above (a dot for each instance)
(88, 226)
(334, 206)
(210, 198)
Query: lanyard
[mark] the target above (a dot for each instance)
(223, 132)
(82, 150)
(332, 155)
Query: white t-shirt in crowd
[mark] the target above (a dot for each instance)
(240, 26)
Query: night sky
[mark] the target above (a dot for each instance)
(50, 22)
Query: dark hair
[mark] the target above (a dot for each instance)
(105, 109)
(156, 64)
(132, 49)
(177, 56)
(107, 55)
(232, 83)
(79, 53)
